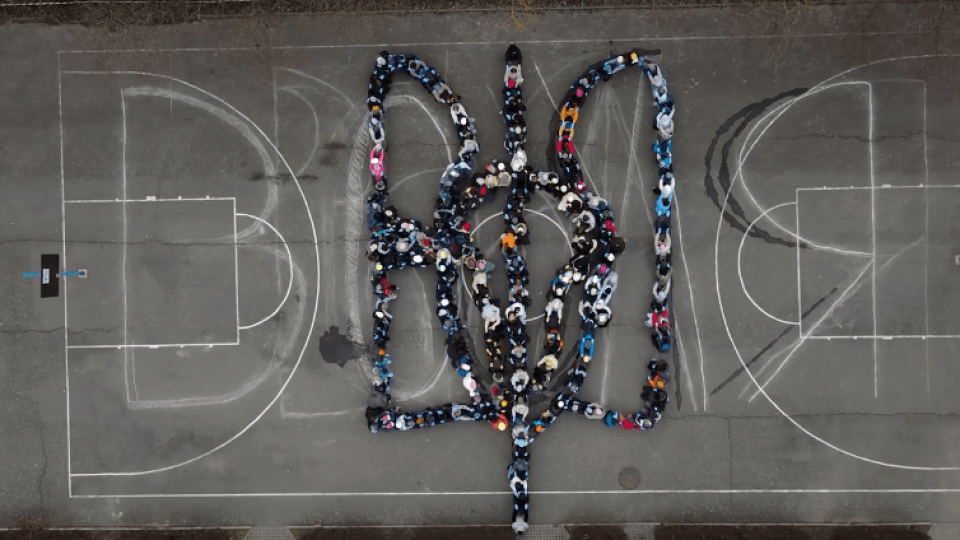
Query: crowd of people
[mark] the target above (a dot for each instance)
(658, 318)
(503, 396)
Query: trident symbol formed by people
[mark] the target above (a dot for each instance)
(502, 395)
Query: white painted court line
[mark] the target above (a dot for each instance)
(887, 337)
(532, 492)
(125, 200)
(245, 124)
(740, 265)
(873, 234)
(926, 187)
(63, 230)
(926, 243)
(739, 491)
(551, 219)
(289, 285)
(236, 262)
(726, 325)
(885, 186)
(644, 39)
(634, 174)
(803, 337)
(750, 144)
(154, 345)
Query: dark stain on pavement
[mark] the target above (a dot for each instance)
(335, 348)
(734, 213)
(740, 370)
(629, 478)
(333, 154)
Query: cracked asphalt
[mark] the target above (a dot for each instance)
(814, 290)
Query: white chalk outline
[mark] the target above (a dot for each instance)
(356, 189)
(761, 390)
(796, 208)
(633, 150)
(745, 151)
(693, 305)
(289, 260)
(123, 238)
(284, 413)
(803, 337)
(316, 250)
(843, 297)
(750, 144)
(356, 209)
(220, 399)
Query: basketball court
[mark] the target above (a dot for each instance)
(205, 371)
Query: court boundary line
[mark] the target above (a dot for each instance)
(723, 315)
(798, 491)
(520, 42)
(66, 329)
(154, 345)
(889, 337)
(719, 491)
(165, 199)
(880, 187)
(309, 215)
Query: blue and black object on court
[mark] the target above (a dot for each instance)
(49, 275)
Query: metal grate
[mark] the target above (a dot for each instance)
(634, 531)
(639, 531)
(945, 531)
(545, 532)
(268, 533)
